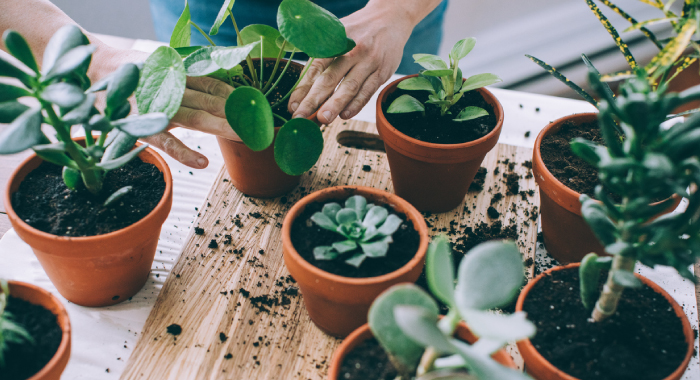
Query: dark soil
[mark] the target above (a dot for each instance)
(306, 236)
(286, 84)
(643, 341)
(24, 360)
(44, 202)
(479, 179)
(433, 128)
(367, 361)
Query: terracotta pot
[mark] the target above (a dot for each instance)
(96, 270)
(567, 236)
(434, 177)
(338, 305)
(363, 333)
(256, 174)
(541, 369)
(38, 296)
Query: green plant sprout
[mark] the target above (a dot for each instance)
(651, 163)
(66, 99)
(404, 319)
(10, 331)
(365, 226)
(303, 27)
(444, 84)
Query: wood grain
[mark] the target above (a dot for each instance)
(227, 333)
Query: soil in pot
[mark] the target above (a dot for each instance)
(44, 202)
(24, 360)
(433, 128)
(288, 80)
(643, 341)
(306, 236)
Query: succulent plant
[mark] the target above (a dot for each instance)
(10, 331)
(366, 227)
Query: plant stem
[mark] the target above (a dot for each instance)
(204, 34)
(610, 297)
(447, 325)
(279, 117)
(262, 63)
(274, 70)
(308, 64)
(248, 60)
(102, 139)
(280, 77)
(245, 81)
(89, 140)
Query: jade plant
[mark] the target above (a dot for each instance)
(66, 99)
(444, 84)
(404, 319)
(367, 229)
(10, 331)
(650, 163)
(303, 27)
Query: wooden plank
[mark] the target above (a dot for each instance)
(227, 333)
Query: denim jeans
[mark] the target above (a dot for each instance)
(425, 38)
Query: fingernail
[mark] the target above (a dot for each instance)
(202, 162)
(327, 115)
(346, 114)
(300, 116)
(294, 106)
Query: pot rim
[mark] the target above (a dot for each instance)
(526, 344)
(414, 215)
(160, 163)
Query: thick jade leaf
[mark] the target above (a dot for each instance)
(228, 58)
(182, 32)
(19, 48)
(9, 92)
(594, 214)
(416, 83)
(440, 271)
(405, 103)
(54, 153)
(421, 325)
(162, 83)
(298, 146)
(470, 113)
(23, 133)
(142, 125)
(74, 59)
(269, 35)
(221, 17)
(71, 177)
(82, 112)
(500, 327)
(63, 94)
(121, 161)
(200, 63)
(123, 84)
(312, 29)
(250, 115)
(9, 111)
(15, 70)
(462, 48)
(484, 367)
(64, 40)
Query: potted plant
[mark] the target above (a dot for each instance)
(345, 245)
(642, 335)
(35, 334)
(437, 127)
(273, 150)
(417, 344)
(89, 208)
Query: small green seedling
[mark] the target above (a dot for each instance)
(444, 84)
(365, 226)
(66, 99)
(10, 331)
(303, 27)
(404, 319)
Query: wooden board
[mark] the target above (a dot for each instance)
(267, 334)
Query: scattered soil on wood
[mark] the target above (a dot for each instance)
(367, 361)
(479, 179)
(44, 202)
(286, 84)
(643, 341)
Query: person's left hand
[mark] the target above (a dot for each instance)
(380, 34)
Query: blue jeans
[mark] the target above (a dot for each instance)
(425, 38)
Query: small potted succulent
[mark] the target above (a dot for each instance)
(406, 339)
(274, 149)
(90, 208)
(644, 334)
(35, 333)
(437, 127)
(345, 245)
(561, 175)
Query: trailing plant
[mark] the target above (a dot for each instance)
(444, 84)
(303, 27)
(651, 163)
(404, 319)
(10, 331)
(67, 99)
(366, 227)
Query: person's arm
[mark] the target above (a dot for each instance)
(381, 30)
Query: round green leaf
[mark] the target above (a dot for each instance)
(312, 29)
(122, 85)
(288, 46)
(18, 47)
(162, 83)
(250, 115)
(23, 133)
(298, 146)
(439, 270)
(200, 63)
(228, 58)
(405, 103)
(253, 33)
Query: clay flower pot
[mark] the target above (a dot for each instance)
(338, 305)
(363, 333)
(541, 369)
(256, 174)
(97, 270)
(38, 296)
(567, 236)
(434, 177)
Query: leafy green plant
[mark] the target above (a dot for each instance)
(67, 99)
(444, 84)
(651, 163)
(10, 331)
(365, 226)
(303, 27)
(404, 319)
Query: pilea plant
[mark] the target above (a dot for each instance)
(404, 319)
(444, 84)
(303, 26)
(66, 99)
(649, 164)
(366, 227)
(10, 331)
